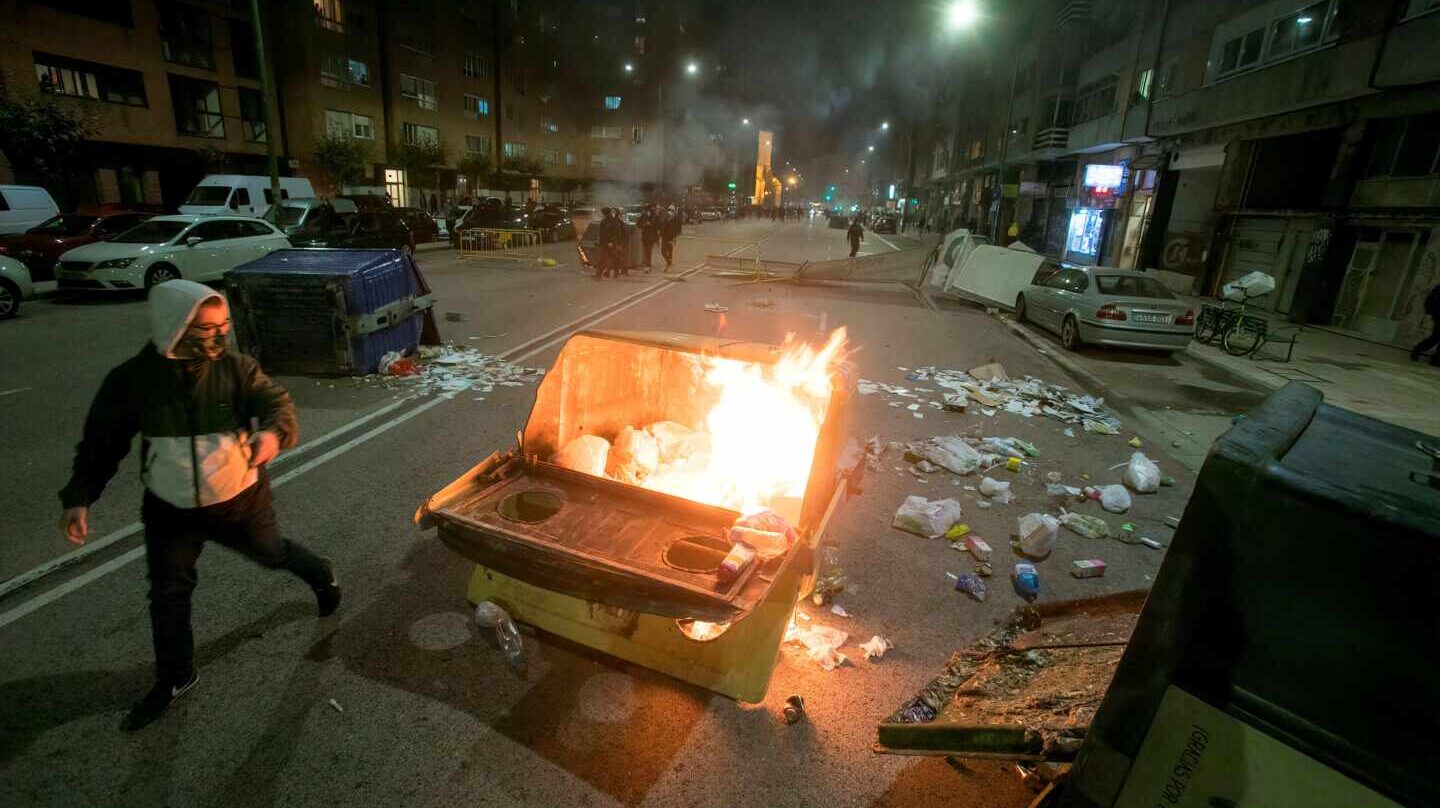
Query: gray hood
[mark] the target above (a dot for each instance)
(172, 306)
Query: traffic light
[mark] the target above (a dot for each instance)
(732, 186)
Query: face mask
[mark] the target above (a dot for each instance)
(211, 348)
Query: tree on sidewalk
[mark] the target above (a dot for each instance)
(422, 163)
(343, 159)
(41, 135)
(475, 168)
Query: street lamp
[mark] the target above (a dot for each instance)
(744, 121)
(884, 126)
(629, 68)
(961, 14)
(870, 148)
(692, 68)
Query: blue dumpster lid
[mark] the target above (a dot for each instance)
(324, 261)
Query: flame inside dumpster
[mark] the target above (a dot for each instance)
(724, 431)
(762, 431)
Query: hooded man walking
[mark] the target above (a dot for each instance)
(209, 420)
(856, 234)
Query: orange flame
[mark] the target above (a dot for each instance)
(763, 430)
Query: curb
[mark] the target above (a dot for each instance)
(433, 246)
(1265, 382)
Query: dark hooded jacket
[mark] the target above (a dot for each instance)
(194, 417)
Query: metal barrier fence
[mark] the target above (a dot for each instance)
(903, 266)
(488, 239)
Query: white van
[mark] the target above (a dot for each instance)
(24, 206)
(241, 194)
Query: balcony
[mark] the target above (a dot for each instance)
(1051, 142)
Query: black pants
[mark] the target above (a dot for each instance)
(174, 538)
(1429, 342)
(649, 250)
(854, 247)
(667, 251)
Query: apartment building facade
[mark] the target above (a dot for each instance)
(174, 88)
(1207, 140)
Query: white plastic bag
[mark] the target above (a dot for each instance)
(952, 454)
(675, 440)
(587, 453)
(1115, 499)
(1037, 534)
(925, 518)
(634, 456)
(1091, 527)
(1142, 474)
(1251, 285)
(996, 490)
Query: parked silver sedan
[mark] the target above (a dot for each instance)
(1105, 306)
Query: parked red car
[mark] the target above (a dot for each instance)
(42, 245)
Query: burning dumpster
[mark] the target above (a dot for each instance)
(666, 501)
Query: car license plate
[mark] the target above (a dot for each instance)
(69, 273)
(1147, 317)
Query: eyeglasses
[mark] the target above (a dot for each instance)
(211, 330)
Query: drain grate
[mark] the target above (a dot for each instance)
(1295, 375)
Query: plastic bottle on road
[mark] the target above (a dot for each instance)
(490, 615)
(1027, 581)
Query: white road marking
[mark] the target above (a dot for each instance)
(91, 547)
(12, 392)
(886, 241)
(517, 354)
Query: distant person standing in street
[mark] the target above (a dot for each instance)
(612, 234)
(1432, 308)
(669, 231)
(649, 233)
(209, 420)
(856, 234)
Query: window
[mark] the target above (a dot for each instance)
(185, 35)
(197, 107)
(1131, 286)
(516, 149)
(477, 144)
(599, 161)
(612, 102)
(348, 124)
(605, 132)
(252, 115)
(477, 65)
(242, 49)
(422, 90)
(1169, 79)
(1297, 31)
(1241, 52)
(517, 81)
(637, 134)
(1071, 280)
(549, 125)
(1140, 91)
(253, 229)
(1404, 147)
(417, 135)
(1095, 100)
(330, 15)
(475, 106)
(359, 72)
(640, 45)
(569, 158)
(62, 76)
(113, 11)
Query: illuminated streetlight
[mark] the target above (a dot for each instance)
(629, 68)
(870, 148)
(744, 121)
(884, 126)
(692, 68)
(961, 14)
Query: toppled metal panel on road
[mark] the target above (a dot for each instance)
(995, 275)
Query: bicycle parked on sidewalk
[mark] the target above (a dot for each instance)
(1239, 334)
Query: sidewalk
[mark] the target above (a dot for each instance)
(1372, 379)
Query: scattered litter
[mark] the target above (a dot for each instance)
(993, 389)
(1172, 521)
(456, 317)
(1099, 427)
(925, 467)
(983, 569)
(970, 584)
(1066, 491)
(1088, 568)
(1134, 442)
(875, 647)
(913, 407)
(395, 363)
(978, 547)
(1151, 543)
(920, 416)
(794, 709)
(957, 531)
(762, 303)
(1128, 527)
(1026, 581)
(1142, 474)
(1037, 533)
(838, 610)
(447, 369)
(991, 372)
(987, 412)
(1115, 499)
(828, 585)
(336, 706)
(926, 518)
(957, 401)
(984, 504)
(1053, 477)
(950, 452)
(1091, 527)
(716, 308)
(1175, 444)
(821, 643)
(1166, 481)
(587, 454)
(1069, 433)
(996, 490)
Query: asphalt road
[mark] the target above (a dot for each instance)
(426, 713)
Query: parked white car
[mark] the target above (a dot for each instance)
(15, 286)
(24, 206)
(197, 248)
